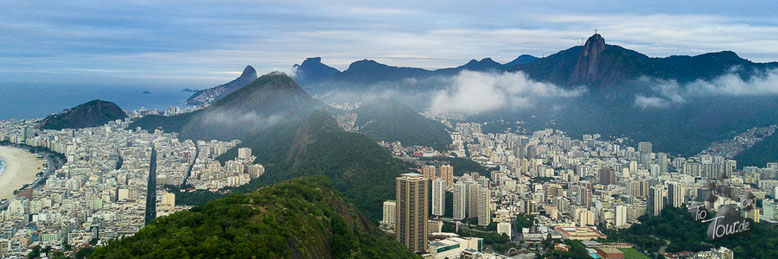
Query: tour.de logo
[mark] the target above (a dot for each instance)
(728, 221)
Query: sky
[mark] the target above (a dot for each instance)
(200, 44)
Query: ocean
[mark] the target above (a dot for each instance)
(38, 101)
(2, 166)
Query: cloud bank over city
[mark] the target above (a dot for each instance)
(474, 92)
(669, 92)
(207, 42)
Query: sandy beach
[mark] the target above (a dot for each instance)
(21, 167)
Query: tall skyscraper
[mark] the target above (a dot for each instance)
(460, 201)
(447, 174)
(390, 214)
(675, 194)
(429, 172)
(585, 197)
(438, 197)
(663, 161)
(621, 216)
(472, 199)
(645, 147)
(412, 211)
(484, 211)
(607, 176)
(655, 202)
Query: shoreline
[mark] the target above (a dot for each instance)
(21, 168)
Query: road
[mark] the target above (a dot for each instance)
(189, 171)
(151, 196)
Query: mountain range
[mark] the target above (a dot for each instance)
(679, 120)
(595, 64)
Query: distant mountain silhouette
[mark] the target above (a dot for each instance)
(596, 64)
(523, 59)
(90, 114)
(312, 70)
(210, 95)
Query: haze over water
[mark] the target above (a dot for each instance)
(38, 101)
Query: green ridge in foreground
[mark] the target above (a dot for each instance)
(300, 218)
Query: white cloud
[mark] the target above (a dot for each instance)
(670, 92)
(473, 92)
(644, 102)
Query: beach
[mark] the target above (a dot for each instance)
(21, 167)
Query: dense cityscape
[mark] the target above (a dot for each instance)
(570, 189)
(389, 129)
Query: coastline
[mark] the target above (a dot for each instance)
(21, 168)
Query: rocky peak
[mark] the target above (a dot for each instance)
(248, 71)
(586, 69)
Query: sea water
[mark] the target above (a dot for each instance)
(38, 101)
(2, 166)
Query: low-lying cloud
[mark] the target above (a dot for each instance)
(669, 92)
(474, 92)
(250, 120)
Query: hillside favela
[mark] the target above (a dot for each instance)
(389, 129)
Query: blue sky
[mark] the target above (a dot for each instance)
(203, 43)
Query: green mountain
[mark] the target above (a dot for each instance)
(301, 218)
(390, 120)
(271, 99)
(90, 114)
(360, 169)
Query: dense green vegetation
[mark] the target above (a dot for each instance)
(301, 218)
(760, 153)
(684, 234)
(523, 221)
(360, 169)
(390, 120)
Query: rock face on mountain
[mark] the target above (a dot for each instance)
(210, 95)
(271, 99)
(586, 69)
(301, 218)
(91, 114)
